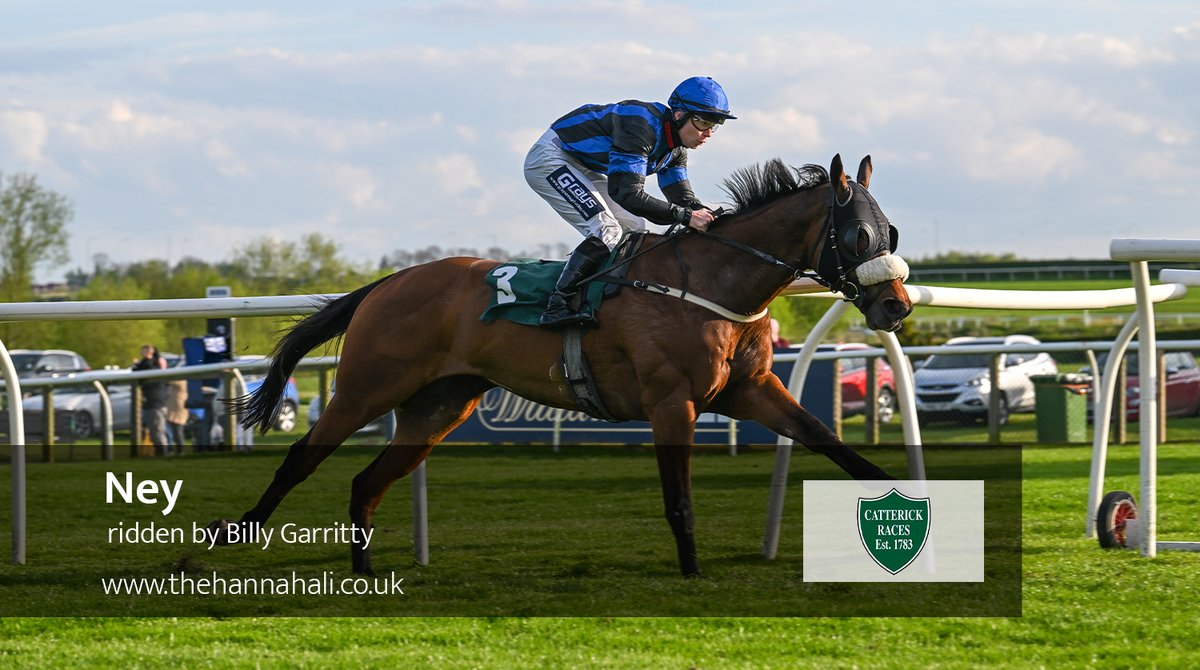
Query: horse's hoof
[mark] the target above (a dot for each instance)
(219, 531)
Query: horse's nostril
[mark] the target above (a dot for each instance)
(897, 309)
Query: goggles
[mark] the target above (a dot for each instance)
(704, 124)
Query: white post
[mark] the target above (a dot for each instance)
(783, 446)
(106, 420)
(1102, 412)
(906, 397)
(1148, 407)
(16, 437)
(420, 513)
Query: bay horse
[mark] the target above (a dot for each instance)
(414, 342)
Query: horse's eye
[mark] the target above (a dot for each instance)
(861, 249)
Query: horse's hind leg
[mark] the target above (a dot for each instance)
(338, 422)
(421, 422)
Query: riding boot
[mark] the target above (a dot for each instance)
(584, 261)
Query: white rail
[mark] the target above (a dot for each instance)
(940, 296)
(102, 310)
(1142, 294)
(1138, 252)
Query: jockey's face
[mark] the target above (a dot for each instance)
(690, 133)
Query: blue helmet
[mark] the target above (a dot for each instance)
(701, 95)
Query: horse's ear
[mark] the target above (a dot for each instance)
(864, 172)
(837, 177)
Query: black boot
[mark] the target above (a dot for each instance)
(584, 261)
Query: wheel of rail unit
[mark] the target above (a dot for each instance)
(1117, 508)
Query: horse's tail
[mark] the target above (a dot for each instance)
(259, 408)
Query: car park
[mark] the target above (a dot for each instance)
(47, 362)
(1182, 384)
(959, 385)
(82, 403)
(854, 382)
(289, 408)
(383, 425)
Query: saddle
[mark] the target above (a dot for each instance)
(521, 289)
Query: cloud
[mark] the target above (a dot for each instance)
(328, 117)
(771, 132)
(457, 175)
(25, 131)
(1020, 155)
(356, 184)
(224, 159)
(595, 14)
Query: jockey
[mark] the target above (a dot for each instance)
(592, 164)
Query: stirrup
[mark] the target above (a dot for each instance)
(559, 313)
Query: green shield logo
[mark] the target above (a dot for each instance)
(893, 528)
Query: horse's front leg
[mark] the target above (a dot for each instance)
(764, 399)
(673, 432)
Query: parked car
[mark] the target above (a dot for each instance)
(285, 419)
(958, 385)
(854, 382)
(380, 426)
(47, 362)
(1182, 384)
(83, 402)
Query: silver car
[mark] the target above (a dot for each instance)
(958, 385)
(82, 403)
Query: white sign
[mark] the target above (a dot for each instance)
(853, 531)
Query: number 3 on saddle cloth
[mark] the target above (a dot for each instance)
(520, 288)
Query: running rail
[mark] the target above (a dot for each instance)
(967, 299)
(1138, 252)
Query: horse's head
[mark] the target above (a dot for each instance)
(858, 255)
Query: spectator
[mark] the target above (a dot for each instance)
(778, 341)
(177, 414)
(154, 400)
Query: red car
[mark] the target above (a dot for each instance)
(1183, 385)
(854, 382)
(1182, 388)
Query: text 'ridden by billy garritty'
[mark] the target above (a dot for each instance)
(151, 492)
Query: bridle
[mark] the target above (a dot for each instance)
(849, 225)
(845, 224)
(838, 255)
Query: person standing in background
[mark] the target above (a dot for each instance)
(177, 414)
(154, 400)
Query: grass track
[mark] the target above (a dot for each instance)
(1082, 607)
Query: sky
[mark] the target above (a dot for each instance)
(195, 128)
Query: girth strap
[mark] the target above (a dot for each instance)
(579, 376)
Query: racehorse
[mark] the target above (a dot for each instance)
(414, 342)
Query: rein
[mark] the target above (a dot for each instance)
(852, 291)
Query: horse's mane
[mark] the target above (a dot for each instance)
(758, 185)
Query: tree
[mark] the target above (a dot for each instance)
(33, 225)
(33, 230)
(271, 266)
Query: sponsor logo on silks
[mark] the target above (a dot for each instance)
(893, 528)
(572, 191)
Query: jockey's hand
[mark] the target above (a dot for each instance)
(700, 219)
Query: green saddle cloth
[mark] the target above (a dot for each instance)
(520, 289)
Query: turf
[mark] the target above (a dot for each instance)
(1082, 606)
